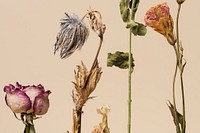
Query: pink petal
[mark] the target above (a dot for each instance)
(17, 100)
(33, 92)
(41, 104)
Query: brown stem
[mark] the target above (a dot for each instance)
(97, 54)
(77, 120)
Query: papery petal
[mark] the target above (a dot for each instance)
(17, 100)
(104, 110)
(41, 104)
(33, 92)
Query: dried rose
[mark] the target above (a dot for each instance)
(27, 99)
(159, 18)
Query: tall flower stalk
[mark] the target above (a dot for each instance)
(123, 60)
(72, 36)
(160, 20)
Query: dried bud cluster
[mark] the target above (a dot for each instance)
(85, 84)
(95, 21)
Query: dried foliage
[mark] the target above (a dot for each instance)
(85, 84)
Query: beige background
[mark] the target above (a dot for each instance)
(28, 30)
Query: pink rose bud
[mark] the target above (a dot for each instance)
(27, 99)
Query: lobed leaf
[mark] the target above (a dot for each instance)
(119, 59)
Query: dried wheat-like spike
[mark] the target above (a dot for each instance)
(85, 83)
(95, 21)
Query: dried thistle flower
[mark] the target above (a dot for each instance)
(72, 35)
(95, 21)
(85, 84)
(159, 18)
(103, 126)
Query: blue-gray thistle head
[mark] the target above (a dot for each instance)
(72, 35)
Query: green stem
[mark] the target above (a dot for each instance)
(181, 67)
(183, 102)
(174, 95)
(129, 84)
(29, 126)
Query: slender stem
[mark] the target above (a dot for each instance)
(181, 69)
(183, 102)
(177, 23)
(129, 84)
(77, 120)
(97, 54)
(174, 93)
(29, 126)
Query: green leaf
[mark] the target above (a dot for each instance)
(124, 10)
(131, 24)
(180, 116)
(119, 59)
(134, 6)
(139, 30)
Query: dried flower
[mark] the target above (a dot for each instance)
(85, 84)
(103, 126)
(159, 18)
(72, 35)
(95, 21)
(27, 99)
(104, 110)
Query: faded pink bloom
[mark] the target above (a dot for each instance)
(159, 18)
(27, 99)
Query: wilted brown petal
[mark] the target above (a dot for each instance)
(95, 21)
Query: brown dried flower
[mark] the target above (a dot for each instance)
(85, 84)
(95, 21)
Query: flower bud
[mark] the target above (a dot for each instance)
(27, 99)
(180, 1)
